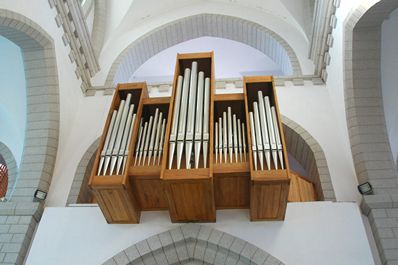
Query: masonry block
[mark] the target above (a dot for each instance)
(221, 257)
(121, 258)
(143, 247)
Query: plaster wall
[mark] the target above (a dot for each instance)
(311, 107)
(13, 98)
(319, 233)
(389, 78)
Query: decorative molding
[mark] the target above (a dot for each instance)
(234, 83)
(322, 40)
(70, 16)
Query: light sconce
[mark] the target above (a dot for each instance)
(41, 195)
(365, 188)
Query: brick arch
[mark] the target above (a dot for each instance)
(370, 146)
(213, 25)
(79, 190)
(12, 168)
(307, 151)
(364, 104)
(42, 121)
(193, 244)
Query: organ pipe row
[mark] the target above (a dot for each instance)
(266, 140)
(190, 127)
(114, 153)
(230, 139)
(150, 140)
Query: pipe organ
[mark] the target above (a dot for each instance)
(194, 152)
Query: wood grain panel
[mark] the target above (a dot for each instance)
(301, 190)
(231, 191)
(191, 201)
(268, 201)
(150, 193)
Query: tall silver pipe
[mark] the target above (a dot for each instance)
(216, 141)
(239, 140)
(277, 137)
(153, 133)
(254, 144)
(189, 138)
(235, 135)
(271, 131)
(225, 139)
(174, 128)
(244, 140)
(230, 144)
(157, 137)
(108, 136)
(183, 117)
(206, 114)
(147, 139)
(258, 135)
(199, 117)
(220, 136)
(142, 142)
(123, 149)
(119, 135)
(115, 128)
(128, 143)
(264, 130)
(161, 140)
(137, 148)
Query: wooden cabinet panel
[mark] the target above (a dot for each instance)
(231, 191)
(268, 200)
(150, 193)
(191, 201)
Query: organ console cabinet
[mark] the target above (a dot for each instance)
(191, 190)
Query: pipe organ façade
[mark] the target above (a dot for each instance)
(194, 152)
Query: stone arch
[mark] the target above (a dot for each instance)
(42, 121)
(370, 146)
(369, 142)
(307, 151)
(193, 244)
(11, 166)
(213, 25)
(99, 26)
(79, 190)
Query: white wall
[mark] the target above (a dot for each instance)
(311, 107)
(389, 78)
(231, 59)
(319, 233)
(12, 98)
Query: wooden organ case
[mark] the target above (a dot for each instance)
(192, 164)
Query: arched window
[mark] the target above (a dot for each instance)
(3, 178)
